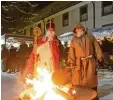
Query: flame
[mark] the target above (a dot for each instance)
(43, 86)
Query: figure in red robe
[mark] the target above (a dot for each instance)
(45, 52)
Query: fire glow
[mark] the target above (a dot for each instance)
(44, 86)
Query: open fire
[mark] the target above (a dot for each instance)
(43, 87)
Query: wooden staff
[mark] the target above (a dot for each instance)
(37, 33)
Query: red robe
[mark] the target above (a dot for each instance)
(34, 57)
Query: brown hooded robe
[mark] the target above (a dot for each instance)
(83, 53)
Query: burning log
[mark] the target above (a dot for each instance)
(83, 93)
(78, 93)
(62, 78)
(67, 96)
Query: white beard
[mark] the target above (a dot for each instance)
(49, 34)
(80, 34)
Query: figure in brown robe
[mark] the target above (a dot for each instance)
(83, 55)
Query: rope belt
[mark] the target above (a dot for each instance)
(79, 67)
(88, 57)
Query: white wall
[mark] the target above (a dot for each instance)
(28, 31)
(101, 20)
(59, 28)
(74, 17)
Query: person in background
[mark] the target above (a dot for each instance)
(22, 57)
(83, 53)
(107, 47)
(4, 57)
(67, 46)
(12, 60)
(30, 48)
(61, 51)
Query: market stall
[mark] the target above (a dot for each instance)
(15, 40)
(99, 34)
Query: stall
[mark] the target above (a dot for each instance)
(99, 34)
(15, 40)
(66, 38)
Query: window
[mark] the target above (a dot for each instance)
(39, 25)
(50, 23)
(83, 13)
(107, 7)
(65, 19)
(31, 31)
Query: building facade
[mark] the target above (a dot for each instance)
(92, 15)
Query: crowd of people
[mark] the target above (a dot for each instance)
(107, 49)
(14, 59)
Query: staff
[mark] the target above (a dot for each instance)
(37, 33)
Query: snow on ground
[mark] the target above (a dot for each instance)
(105, 85)
(108, 97)
(106, 78)
(11, 87)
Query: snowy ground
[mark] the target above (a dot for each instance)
(105, 86)
(11, 87)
